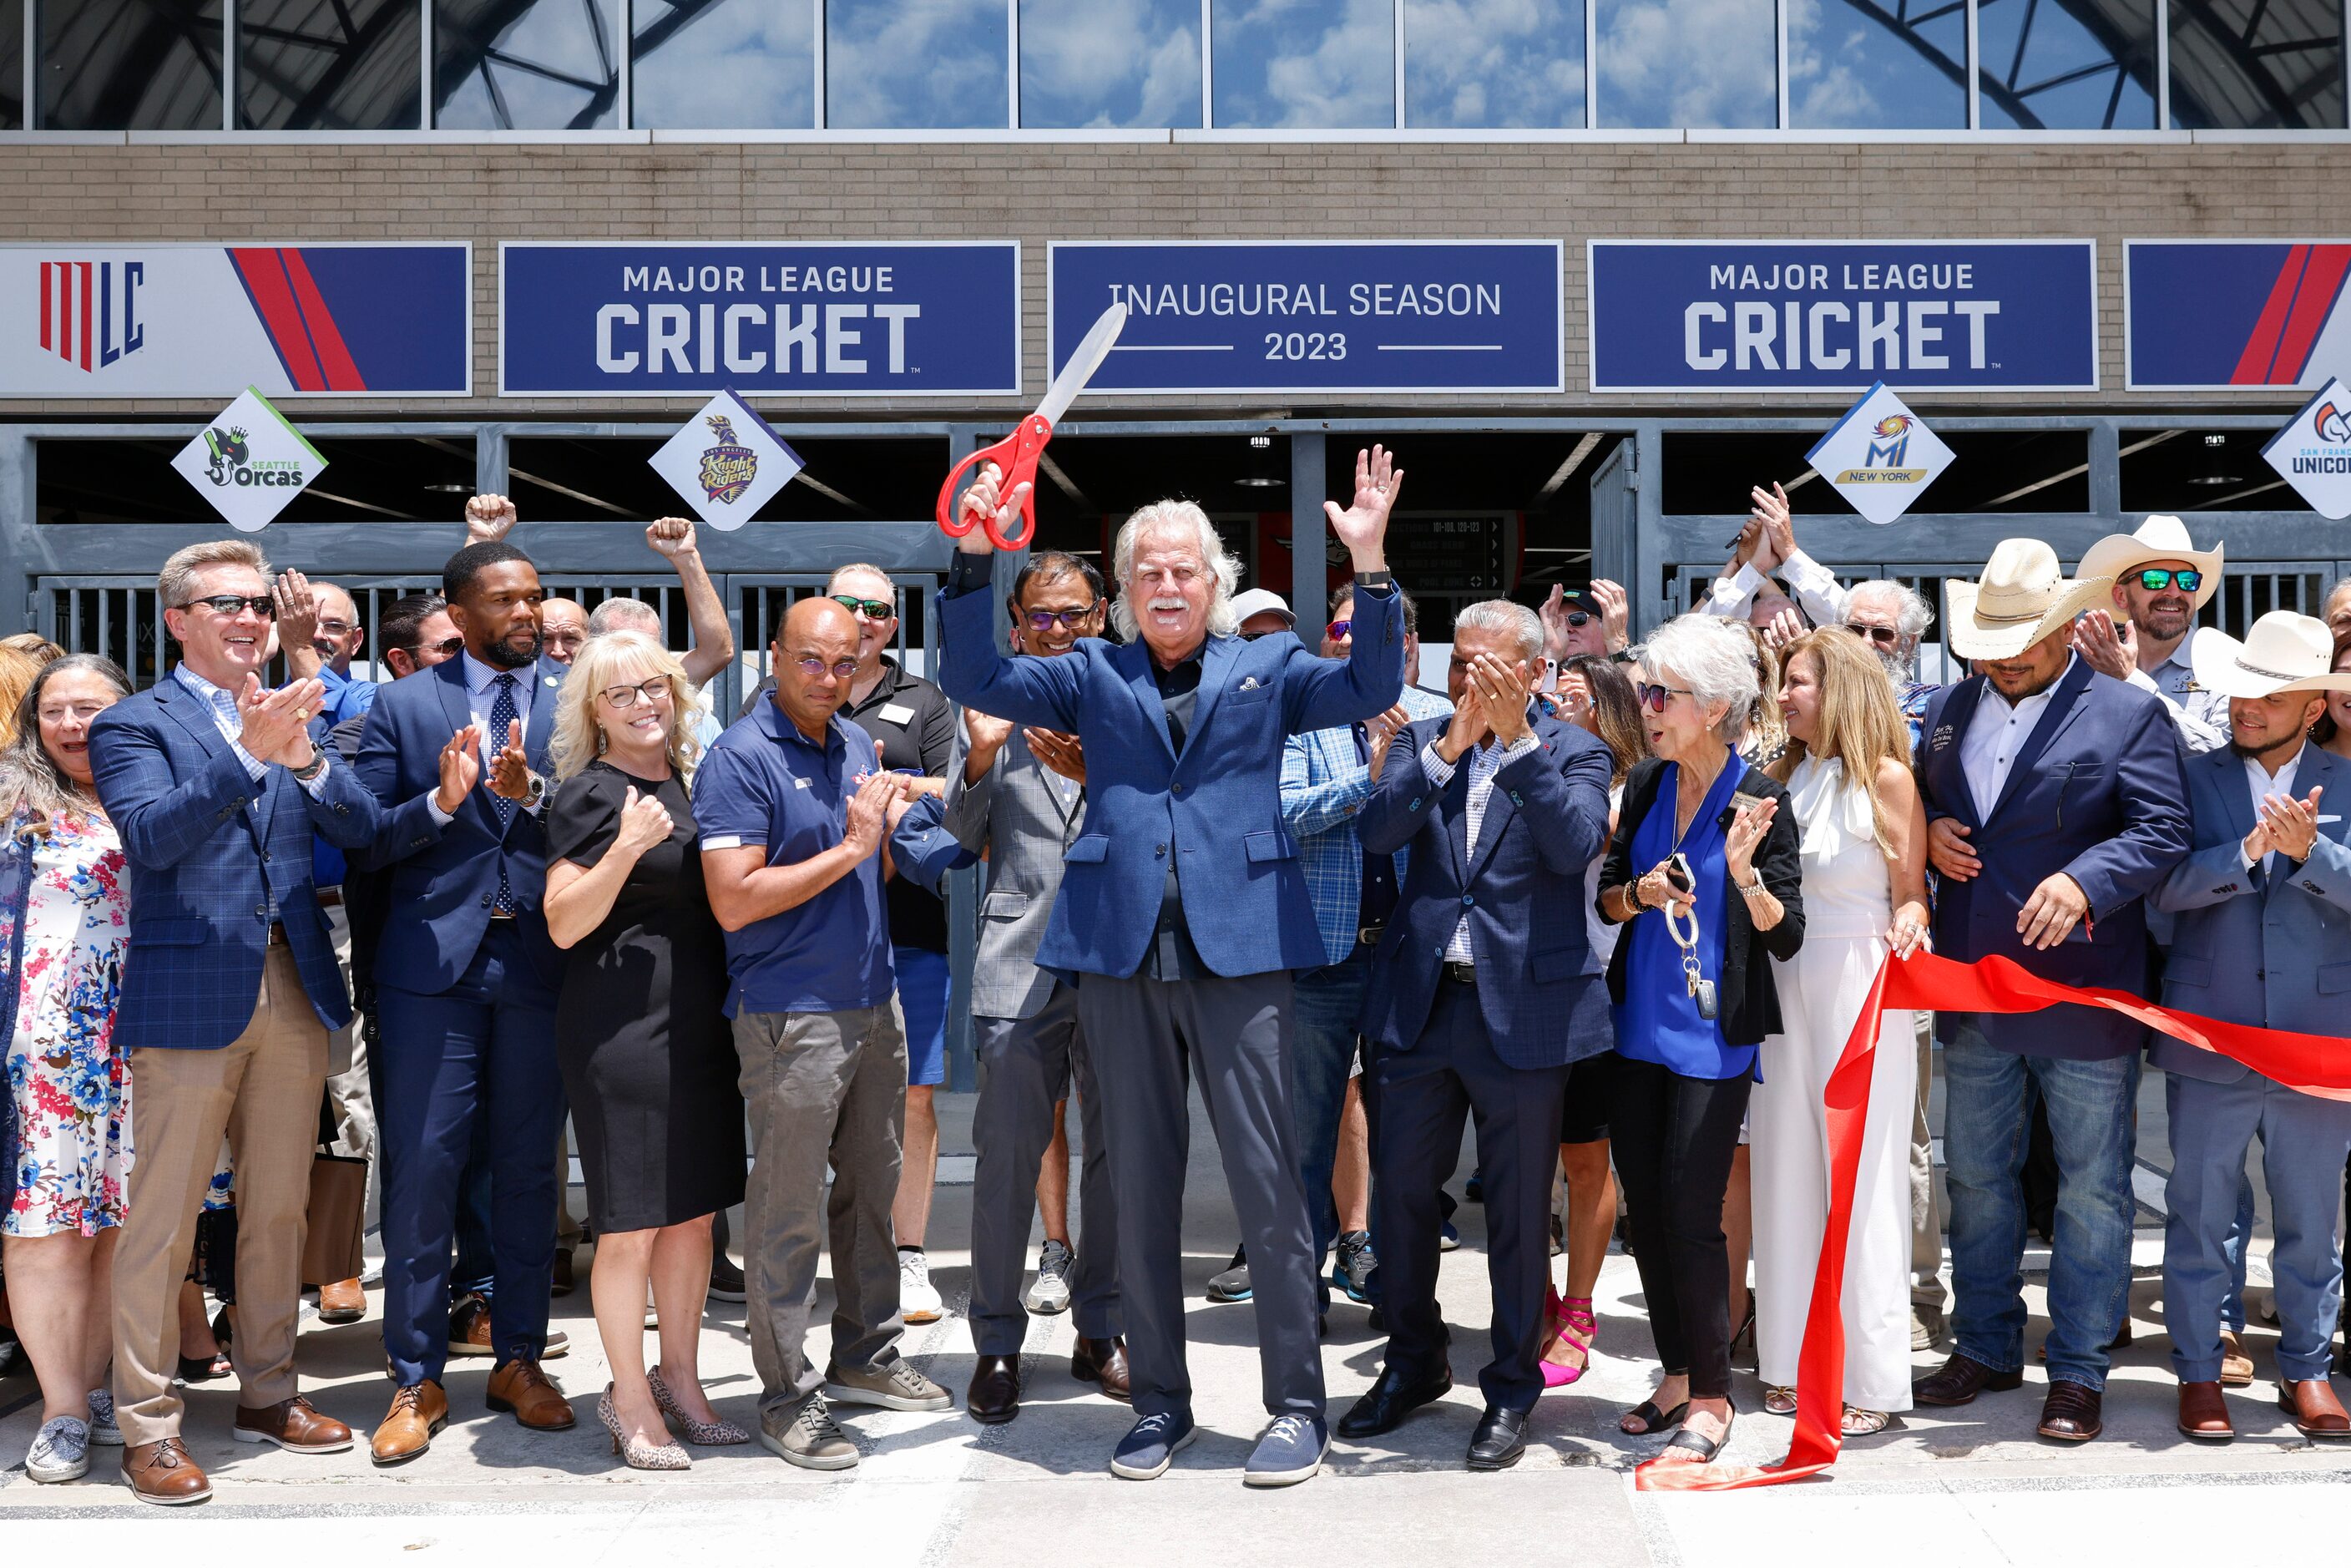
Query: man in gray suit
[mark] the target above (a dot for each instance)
(1011, 792)
(2264, 908)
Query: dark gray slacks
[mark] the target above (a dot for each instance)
(1146, 1037)
(1449, 1076)
(1025, 1065)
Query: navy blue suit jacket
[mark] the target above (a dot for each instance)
(1523, 890)
(2097, 793)
(210, 853)
(1217, 807)
(444, 878)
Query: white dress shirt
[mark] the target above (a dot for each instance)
(2263, 782)
(1486, 759)
(1817, 592)
(481, 700)
(231, 724)
(1996, 734)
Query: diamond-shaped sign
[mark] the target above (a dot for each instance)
(726, 462)
(2313, 453)
(1880, 456)
(249, 463)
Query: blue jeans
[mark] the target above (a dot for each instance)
(1322, 1023)
(1987, 1122)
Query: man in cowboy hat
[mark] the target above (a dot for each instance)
(2262, 904)
(2161, 583)
(2054, 803)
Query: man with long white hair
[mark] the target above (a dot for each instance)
(1184, 906)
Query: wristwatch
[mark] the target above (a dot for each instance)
(317, 765)
(1378, 581)
(536, 787)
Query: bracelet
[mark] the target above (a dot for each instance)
(317, 765)
(1752, 889)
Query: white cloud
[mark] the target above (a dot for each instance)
(915, 63)
(1493, 62)
(739, 64)
(1320, 64)
(1688, 63)
(1110, 62)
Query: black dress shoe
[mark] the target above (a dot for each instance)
(1500, 1440)
(1387, 1402)
(1102, 1362)
(1958, 1380)
(994, 1397)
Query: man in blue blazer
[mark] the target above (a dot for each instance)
(1479, 1001)
(2261, 936)
(465, 981)
(1182, 910)
(2054, 803)
(228, 994)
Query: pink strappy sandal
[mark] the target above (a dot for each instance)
(1568, 1320)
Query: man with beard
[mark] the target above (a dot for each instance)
(2161, 580)
(465, 981)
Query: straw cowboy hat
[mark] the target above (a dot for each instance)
(2158, 539)
(2023, 597)
(2284, 652)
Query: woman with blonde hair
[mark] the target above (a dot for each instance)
(17, 669)
(648, 1059)
(1863, 840)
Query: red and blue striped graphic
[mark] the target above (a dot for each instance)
(355, 318)
(2212, 314)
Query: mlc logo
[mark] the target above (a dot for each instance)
(91, 306)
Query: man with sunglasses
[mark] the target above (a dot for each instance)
(2161, 583)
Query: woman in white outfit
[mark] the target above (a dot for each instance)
(1864, 833)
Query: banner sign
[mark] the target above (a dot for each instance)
(2207, 315)
(813, 319)
(726, 462)
(249, 463)
(1961, 316)
(201, 320)
(1309, 317)
(2313, 453)
(1880, 456)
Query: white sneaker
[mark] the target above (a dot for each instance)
(918, 1299)
(103, 1432)
(60, 1451)
(1051, 1293)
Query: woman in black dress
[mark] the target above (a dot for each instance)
(648, 1060)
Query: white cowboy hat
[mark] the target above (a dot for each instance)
(2284, 652)
(1256, 601)
(2023, 597)
(2160, 537)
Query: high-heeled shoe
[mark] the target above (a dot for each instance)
(1568, 1319)
(708, 1434)
(639, 1455)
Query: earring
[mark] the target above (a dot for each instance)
(604, 740)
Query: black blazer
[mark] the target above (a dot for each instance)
(1749, 996)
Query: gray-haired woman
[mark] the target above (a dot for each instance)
(1702, 871)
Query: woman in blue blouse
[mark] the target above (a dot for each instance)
(1688, 1018)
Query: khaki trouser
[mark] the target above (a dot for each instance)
(347, 1090)
(1926, 1211)
(262, 1090)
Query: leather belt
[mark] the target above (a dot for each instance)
(1369, 935)
(330, 898)
(495, 915)
(1462, 974)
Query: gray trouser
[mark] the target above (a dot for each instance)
(1926, 1210)
(1025, 1065)
(821, 1086)
(1146, 1038)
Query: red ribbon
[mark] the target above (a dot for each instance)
(2307, 1064)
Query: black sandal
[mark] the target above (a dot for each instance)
(1652, 1420)
(1689, 1442)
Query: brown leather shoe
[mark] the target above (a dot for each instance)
(162, 1473)
(2204, 1414)
(521, 1388)
(1103, 1360)
(341, 1303)
(2236, 1367)
(2073, 1413)
(417, 1415)
(1958, 1380)
(292, 1425)
(994, 1396)
(2317, 1412)
(469, 1331)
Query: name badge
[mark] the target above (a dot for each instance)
(897, 713)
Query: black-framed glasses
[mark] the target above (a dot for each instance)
(1046, 619)
(2156, 578)
(261, 604)
(1655, 697)
(626, 696)
(844, 671)
(1337, 629)
(1884, 636)
(1579, 618)
(871, 608)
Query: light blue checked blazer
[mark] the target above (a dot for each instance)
(1322, 788)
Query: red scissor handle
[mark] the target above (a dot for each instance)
(1016, 456)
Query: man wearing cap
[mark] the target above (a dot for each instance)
(2161, 582)
(1259, 613)
(2262, 905)
(2054, 803)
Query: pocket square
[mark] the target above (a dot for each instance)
(1248, 684)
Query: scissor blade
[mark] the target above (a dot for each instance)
(1092, 351)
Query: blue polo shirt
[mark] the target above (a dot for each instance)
(765, 783)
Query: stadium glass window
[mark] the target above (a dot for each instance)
(329, 64)
(1471, 64)
(722, 65)
(12, 65)
(1878, 64)
(1323, 65)
(539, 65)
(2081, 67)
(2256, 65)
(1110, 63)
(890, 65)
(1684, 64)
(127, 65)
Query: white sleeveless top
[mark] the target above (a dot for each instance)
(1847, 891)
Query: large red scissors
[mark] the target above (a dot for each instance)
(1016, 456)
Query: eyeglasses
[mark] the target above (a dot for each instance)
(844, 671)
(1579, 618)
(2156, 578)
(335, 628)
(448, 647)
(1046, 619)
(626, 696)
(1884, 636)
(1337, 629)
(1655, 697)
(261, 604)
(871, 608)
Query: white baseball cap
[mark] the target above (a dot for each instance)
(1256, 601)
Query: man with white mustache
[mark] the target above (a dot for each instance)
(1184, 907)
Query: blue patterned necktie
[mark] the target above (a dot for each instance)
(503, 715)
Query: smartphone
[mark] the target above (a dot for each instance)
(1678, 873)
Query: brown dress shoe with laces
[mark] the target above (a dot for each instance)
(2317, 1412)
(1958, 1380)
(994, 1396)
(1103, 1360)
(520, 1387)
(2073, 1413)
(292, 1425)
(417, 1415)
(2204, 1414)
(162, 1473)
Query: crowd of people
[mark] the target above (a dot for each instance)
(1620, 907)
